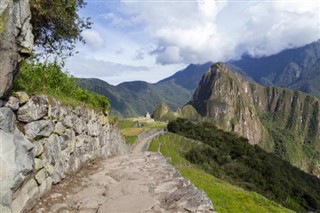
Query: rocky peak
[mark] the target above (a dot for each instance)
(279, 120)
(16, 40)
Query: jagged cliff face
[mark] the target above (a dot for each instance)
(16, 39)
(279, 120)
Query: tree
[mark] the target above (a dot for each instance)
(57, 25)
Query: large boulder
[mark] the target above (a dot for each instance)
(35, 109)
(16, 165)
(16, 40)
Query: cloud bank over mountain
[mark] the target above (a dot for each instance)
(159, 33)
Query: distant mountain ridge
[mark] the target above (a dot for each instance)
(135, 98)
(297, 68)
(279, 120)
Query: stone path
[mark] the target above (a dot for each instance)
(144, 144)
(141, 182)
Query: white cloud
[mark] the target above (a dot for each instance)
(93, 68)
(93, 39)
(149, 40)
(114, 73)
(198, 31)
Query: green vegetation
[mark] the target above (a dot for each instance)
(36, 78)
(130, 139)
(131, 128)
(162, 112)
(130, 99)
(125, 123)
(57, 26)
(225, 197)
(232, 158)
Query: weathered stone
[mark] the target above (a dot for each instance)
(18, 136)
(59, 128)
(16, 40)
(54, 109)
(22, 96)
(39, 129)
(7, 119)
(67, 121)
(38, 164)
(40, 176)
(78, 111)
(52, 158)
(35, 109)
(45, 186)
(93, 128)
(64, 139)
(63, 112)
(26, 197)
(16, 163)
(13, 103)
(78, 125)
(38, 148)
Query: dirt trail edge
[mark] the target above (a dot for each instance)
(140, 182)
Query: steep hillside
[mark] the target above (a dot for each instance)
(297, 68)
(225, 197)
(283, 121)
(231, 158)
(136, 98)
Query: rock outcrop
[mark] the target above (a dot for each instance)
(16, 40)
(279, 120)
(42, 141)
(162, 112)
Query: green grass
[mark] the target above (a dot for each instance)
(126, 123)
(224, 196)
(130, 139)
(41, 78)
(131, 133)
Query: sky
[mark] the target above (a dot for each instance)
(152, 39)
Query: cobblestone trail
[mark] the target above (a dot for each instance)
(142, 182)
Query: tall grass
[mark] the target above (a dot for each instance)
(48, 78)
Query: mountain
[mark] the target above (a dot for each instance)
(297, 68)
(135, 98)
(189, 77)
(279, 120)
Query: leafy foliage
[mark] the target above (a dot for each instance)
(57, 26)
(49, 79)
(232, 158)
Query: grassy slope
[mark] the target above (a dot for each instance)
(49, 79)
(225, 197)
(131, 133)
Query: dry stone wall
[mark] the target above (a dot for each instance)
(41, 141)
